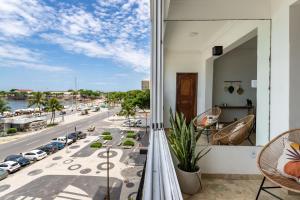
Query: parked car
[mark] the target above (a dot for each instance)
(91, 128)
(129, 123)
(49, 148)
(58, 145)
(63, 140)
(78, 135)
(35, 155)
(72, 136)
(19, 159)
(10, 166)
(3, 174)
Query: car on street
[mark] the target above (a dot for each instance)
(48, 148)
(35, 155)
(63, 140)
(78, 135)
(3, 174)
(72, 136)
(10, 166)
(59, 145)
(129, 124)
(19, 159)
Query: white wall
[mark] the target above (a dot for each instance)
(294, 66)
(240, 64)
(280, 66)
(240, 32)
(219, 9)
(176, 62)
(230, 160)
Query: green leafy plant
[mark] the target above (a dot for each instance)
(131, 135)
(128, 132)
(106, 133)
(107, 137)
(183, 139)
(11, 130)
(96, 145)
(128, 142)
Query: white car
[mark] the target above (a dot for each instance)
(35, 155)
(10, 166)
(63, 140)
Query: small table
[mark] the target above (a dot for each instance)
(249, 108)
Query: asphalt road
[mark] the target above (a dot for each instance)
(33, 141)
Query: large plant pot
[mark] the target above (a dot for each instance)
(190, 182)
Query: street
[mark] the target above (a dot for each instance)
(77, 172)
(32, 141)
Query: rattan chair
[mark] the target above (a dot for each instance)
(267, 163)
(212, 117)
(229, 136)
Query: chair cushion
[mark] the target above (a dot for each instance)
(203, 121)
(289, 162)
(238, 127)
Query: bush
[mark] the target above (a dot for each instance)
(106, 133)
(11, 130)
(96, 145)
(128, 142)
(129, 132)
(131, 135)
(107, 137)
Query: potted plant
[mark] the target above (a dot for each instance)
(183, 139)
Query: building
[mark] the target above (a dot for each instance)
(145, 84)
(260, 40)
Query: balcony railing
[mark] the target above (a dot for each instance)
(160, 181)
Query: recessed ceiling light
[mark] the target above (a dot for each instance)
(194, 34)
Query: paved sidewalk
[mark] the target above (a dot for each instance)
(63, 175)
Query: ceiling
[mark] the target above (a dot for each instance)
(193, 36)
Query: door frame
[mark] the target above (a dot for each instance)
(196, 92)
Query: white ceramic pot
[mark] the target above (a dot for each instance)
(190, 182)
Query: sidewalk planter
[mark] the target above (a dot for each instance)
(190, 182)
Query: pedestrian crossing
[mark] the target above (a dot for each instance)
(73, 193)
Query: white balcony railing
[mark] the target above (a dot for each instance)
(160, 177)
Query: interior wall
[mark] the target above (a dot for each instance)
(280, 62)
(242, 160)
(178, 62)
(294, 66)
(239, 33)
(240, 64)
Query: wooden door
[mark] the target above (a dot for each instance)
(186, 94)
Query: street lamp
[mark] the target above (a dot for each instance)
(107, 156)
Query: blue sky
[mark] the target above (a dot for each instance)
(45, 44)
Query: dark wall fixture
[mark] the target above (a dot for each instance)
(217, 50)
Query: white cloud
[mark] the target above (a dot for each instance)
(113, 29)
(23, 18)
(15, 56)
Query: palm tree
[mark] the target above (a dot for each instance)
(4, 106)
(38, 99)
(53, 105)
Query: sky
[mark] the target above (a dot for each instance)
(47, 44)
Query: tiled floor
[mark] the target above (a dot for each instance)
(224, 189)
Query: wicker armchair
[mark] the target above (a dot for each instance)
(206, 120)
(230, 136)
(267, 163)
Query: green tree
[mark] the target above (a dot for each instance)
(4, 106)
(53, 105)
(128, 108)
(38, 100)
